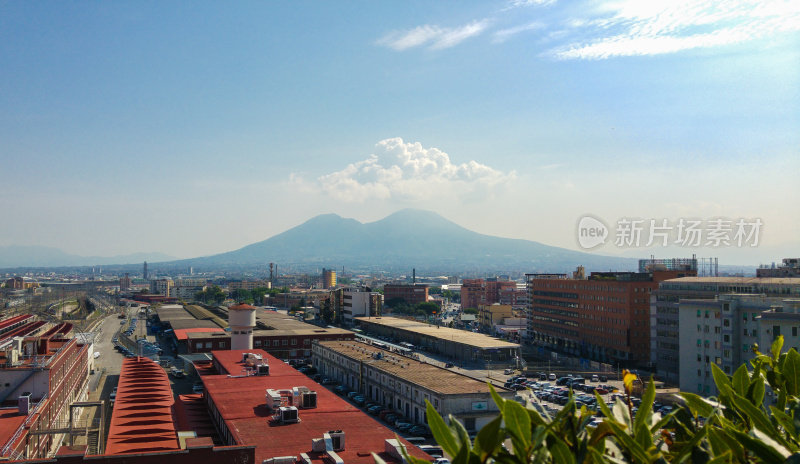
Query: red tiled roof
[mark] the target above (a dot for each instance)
(142, 420)
(180, 334)
(241, 404)
(10, 420)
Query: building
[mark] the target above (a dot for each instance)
(162, 286)
(605, 318)
(406, 293)
(668, 264)
(724, 331)
(145, 275)
(242, 320)
(125, 282)
(789, 268)
(47, 378)
(491, 315)
(246, 284)
(328, 278)
(517, 297)
(405, 384)
(351, 302)
(476, 292)
(21, 283)
(187, 287)
(201, 331)
(665, 352)
(287, 416)
(466, 348)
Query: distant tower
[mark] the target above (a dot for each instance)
(242, 319)
(328, 278)
(191, 270)
(144, 271)
(271, 265)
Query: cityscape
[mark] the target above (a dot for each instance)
(298, 233)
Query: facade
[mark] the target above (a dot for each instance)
(477, 292)
(246, 284)
(20, 283)
(352, 302)
(517, 297)
(408, 293)
(665, 352)
(725, 331)
(459, 346)
(328, 278)
(44, 376)
(162, 287)
(605, 318)
(125, 282)
(404, 384)
(790, 267)
(491, 315)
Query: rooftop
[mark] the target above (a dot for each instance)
(463, 337)
(142, 417)
(241, 405)
(738, 280)
(428, 376)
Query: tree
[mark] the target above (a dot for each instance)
(737, 427)
(427, 307)
(470, 311)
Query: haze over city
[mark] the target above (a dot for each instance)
(194, 129)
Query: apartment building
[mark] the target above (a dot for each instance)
(665, 350)
(353, 302)
(404, 384)
(724, 331)
(491, 315)
(476, 292)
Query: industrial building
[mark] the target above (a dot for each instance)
(45, 380)
(404, 384)
(460, 346)
(407, 293)
(255, 399)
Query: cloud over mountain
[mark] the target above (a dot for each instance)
(409, 171)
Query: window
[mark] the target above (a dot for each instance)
(306, 342)
(726, 338)
(208, 344)
(294, 341)
(222, 345)
(257, 342)
(276, 343)
(744, 348)
(726, 322)
(744, 317)
(794, 331)
(776, 331)
(285, 342)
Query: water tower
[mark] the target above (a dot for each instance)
(242, 319)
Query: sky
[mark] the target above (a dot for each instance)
(192, 128)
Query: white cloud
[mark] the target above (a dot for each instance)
(505, 34)
(408, 171)
(653, 27)
(435, 37)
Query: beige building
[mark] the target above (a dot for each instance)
(404, 384)
(491, 315)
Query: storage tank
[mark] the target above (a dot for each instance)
(242, 319)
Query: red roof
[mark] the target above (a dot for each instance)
(241, 405)
(241, 306)
(142, 419)
(180, 334)
(13, 320)
(10, 420)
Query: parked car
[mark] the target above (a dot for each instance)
(421, 430)
(595, 378)
(403, 426)
(508, 371)
(551, 377)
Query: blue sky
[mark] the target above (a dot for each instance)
(192, 128)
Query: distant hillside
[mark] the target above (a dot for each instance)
(39, 256)
(405, 239)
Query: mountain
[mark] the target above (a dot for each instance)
(40, 256)
(405, 239)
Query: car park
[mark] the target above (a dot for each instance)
(421, 430)
(551, 377)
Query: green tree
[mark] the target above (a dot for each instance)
(470, 311)
(427, 307)
(738, 426)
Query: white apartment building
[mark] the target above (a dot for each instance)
(724, 331)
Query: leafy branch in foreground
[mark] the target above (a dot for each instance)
(738, 426)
